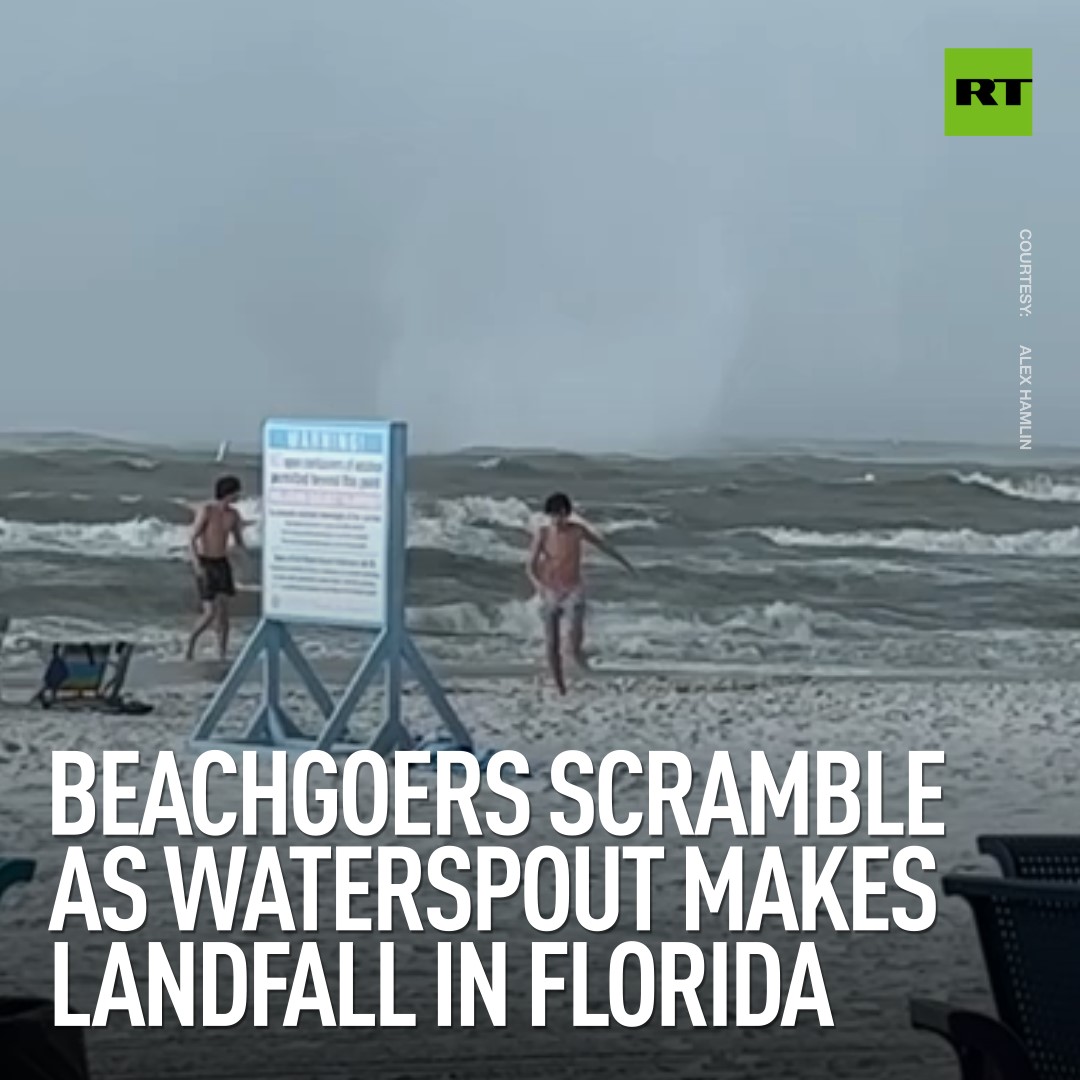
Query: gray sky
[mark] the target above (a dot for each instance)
(630, 224)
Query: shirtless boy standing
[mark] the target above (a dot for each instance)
(554, 568)
(216, 523)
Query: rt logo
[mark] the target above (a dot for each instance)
(988, 91)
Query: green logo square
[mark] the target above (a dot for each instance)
(988, 91)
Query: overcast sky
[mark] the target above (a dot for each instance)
(629, 224)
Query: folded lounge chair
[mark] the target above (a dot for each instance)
(91, 677)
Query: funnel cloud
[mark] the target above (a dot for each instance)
(603, 225)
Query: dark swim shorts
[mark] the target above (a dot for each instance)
(216, 579)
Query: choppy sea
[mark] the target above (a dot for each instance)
(887, 556)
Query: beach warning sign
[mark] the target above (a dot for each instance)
(325, 521)
(334, 555)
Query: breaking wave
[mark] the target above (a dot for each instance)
(1034, 489)
(480, 526)
(1039, 543)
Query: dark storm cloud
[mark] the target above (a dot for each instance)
(603, 224)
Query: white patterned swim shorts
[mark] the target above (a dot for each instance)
(554, 603)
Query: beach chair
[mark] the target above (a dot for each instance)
(86, 676)
(32, 1047)
(1030, 937)
(13, 871)
(1035, 857)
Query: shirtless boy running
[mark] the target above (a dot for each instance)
(216, 523)
(554, 568)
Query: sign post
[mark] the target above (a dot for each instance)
(334, 551)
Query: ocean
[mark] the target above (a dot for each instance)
(927, 593)
(887, 556)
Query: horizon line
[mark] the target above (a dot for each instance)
(725, 443)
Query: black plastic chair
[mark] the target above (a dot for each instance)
(13, 871)
(1034, 857)
(32, 1047)
(1030, 936)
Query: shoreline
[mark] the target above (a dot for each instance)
(148, 674)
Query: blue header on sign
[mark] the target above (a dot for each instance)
(328, 437)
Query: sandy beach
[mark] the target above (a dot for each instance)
(1012, 765)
